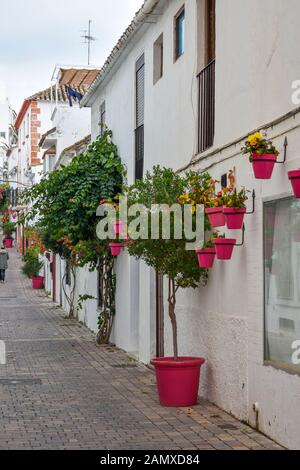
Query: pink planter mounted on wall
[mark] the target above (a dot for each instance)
(178, 380)
(216, 216)
(206, 257)
(263, 165)
(115, 248)
(224, 247)
(294, 177)
(234, 217)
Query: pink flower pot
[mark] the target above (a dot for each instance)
(115, 248)
(178, 380)
(294, 177)
(216, 216)
(263, 165)
(234, 217)
(206, 257)
(224, 247)
(8, 242)
(119, 227)
(37, 282)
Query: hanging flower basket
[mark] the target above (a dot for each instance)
(234, 217)
(263, 165)
(216, 216)
(206, 257)
(115, 248)
(263, 155)
(224, 247)
(294, 177)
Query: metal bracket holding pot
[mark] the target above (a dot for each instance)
(253, 203)
(243, 237)
(285, 150)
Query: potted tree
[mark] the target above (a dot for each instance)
(263, 155)
(177, 376)
(8, 229)
(32, 267)
(235, 209)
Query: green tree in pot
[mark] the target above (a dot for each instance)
(32, 267)
(177, 376)
(8, 229)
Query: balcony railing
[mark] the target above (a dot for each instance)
(139, 152)
(206, 107)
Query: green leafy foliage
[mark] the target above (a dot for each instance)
(66, 201)
(32, 265)
(169, 257)
(9, 228)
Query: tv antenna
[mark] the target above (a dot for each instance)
(88, 39)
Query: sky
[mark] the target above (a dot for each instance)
(36, 35)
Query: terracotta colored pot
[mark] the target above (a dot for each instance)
(8, 242)
(294, 177)
(234, 217)
(206, 257)
(224, 247)
(37, 282)
(178, 381)
(115, 248)
(216, 216)
(263, 165)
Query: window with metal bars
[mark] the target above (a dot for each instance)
(206, 80)
(139, 130)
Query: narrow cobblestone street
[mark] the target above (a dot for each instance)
(60, 391)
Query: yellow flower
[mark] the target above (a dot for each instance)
(255, 139)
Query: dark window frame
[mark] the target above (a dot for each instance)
(102, 116)
(177, 50)
(139, 116)
(158, 58)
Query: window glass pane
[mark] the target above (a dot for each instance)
(180, 34)
(282, 281)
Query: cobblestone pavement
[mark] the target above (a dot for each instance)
(59, 390)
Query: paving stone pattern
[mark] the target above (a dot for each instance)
(59, 390)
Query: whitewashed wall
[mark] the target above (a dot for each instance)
(72, 124)
(257, 60)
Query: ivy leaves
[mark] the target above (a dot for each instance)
(66, 200)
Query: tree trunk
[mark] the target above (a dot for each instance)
(172, 315)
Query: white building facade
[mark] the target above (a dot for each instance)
(246, 321)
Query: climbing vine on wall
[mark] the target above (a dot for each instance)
(64, 203)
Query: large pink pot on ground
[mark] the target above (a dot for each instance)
(263, 165)
(178, 380)
(234, 217)
(115, 248)
(224, 247)
(216, 216)
(206, 257)
(294, 177)
(8, 242)
(37, 282)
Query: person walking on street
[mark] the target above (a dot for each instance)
(4, 257)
